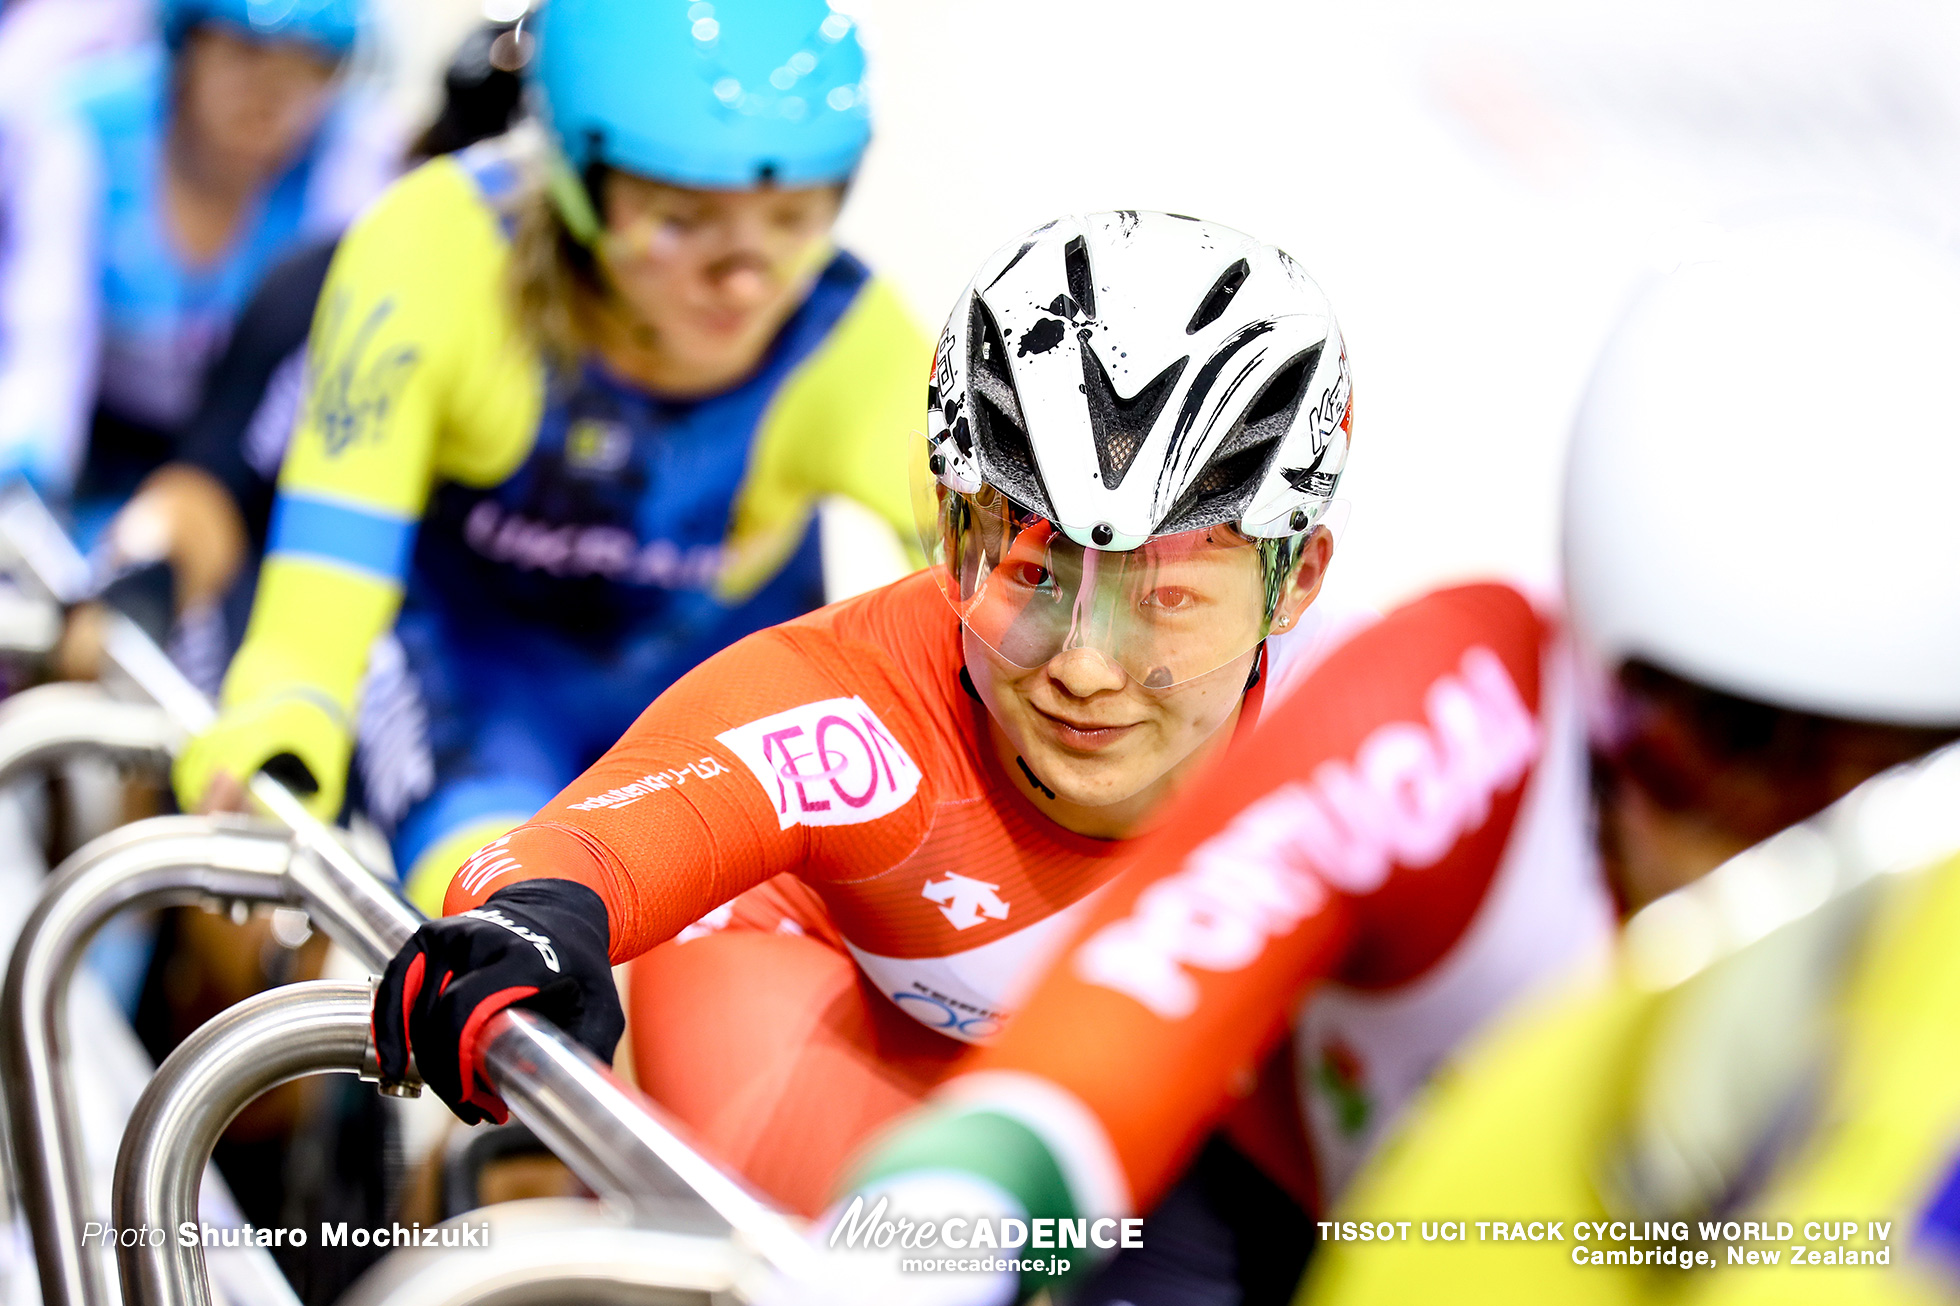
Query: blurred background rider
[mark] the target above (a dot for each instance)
(146, 204)
(143, 194)
(572, 399)
(204, 514)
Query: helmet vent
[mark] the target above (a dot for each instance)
(1280, 400)
(999, 431)
(1081, 287)
(1214, 303)
(1222, 490)
(1120, 426)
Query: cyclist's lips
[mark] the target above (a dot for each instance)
(1083, 736)
(723, 322)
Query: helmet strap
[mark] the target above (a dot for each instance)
(572, 200)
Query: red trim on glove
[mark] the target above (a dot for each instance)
(411, 990)
(467, 1060)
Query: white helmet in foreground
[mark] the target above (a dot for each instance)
(1118, 402)
(1762, 480)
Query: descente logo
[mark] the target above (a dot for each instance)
(964, 901)
(1408, 796)
(826, 763)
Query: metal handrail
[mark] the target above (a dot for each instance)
(265, 1041)
(163, 861)
(371, 919)
(262, 1042)
(622, 1143)
(545, 1251)
(47, 722)
(616, 1140)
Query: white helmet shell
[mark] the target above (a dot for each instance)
(1128, 375)
(1760, 494)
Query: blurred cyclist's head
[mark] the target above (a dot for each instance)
(713, 274)
(1761, 574)
(253, 79)
(701, 158)
(1135, 424)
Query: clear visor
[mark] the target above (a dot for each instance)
(1177, 608)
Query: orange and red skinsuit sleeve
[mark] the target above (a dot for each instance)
(670, 823)
(1227, 949)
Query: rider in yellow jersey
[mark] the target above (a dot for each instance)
(1585, 1114)
(569, 410)
(1779, 1048)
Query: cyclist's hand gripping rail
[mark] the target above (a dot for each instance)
(611, 1137)
(302, 1029)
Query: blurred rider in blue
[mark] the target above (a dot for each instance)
(139, 208)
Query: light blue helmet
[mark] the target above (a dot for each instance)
(719, 94)
(333, 25)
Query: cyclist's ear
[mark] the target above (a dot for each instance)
(1303, 586)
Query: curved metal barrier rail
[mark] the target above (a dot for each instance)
(616, 1140)
(264, 1041)
(47, 723)
(548, 1251)
(166, 860)
(278, 1036)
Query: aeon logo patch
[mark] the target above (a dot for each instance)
(827, 763)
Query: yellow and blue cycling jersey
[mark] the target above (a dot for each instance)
(560, 547)
(1843, 1184)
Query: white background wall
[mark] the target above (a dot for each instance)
(1476, 186)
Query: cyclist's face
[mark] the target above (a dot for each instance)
(1111, 749)
(713, 274)
(1694, 776)
(248, 105)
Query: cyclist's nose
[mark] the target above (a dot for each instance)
(741, 279)
(1083, 671)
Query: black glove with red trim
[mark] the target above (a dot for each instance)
(540, 944)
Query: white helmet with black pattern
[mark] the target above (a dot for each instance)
(1132, 375)
(1136, 423)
